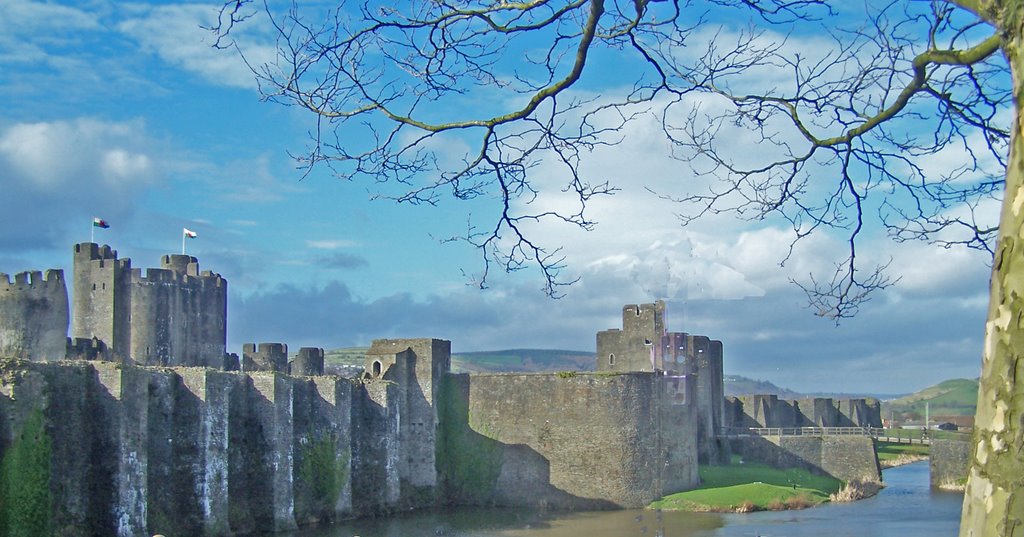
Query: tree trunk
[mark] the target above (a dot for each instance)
(994, 499)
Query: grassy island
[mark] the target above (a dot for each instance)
(751, 487)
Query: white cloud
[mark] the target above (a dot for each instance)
(45, 20)
(176, 33)
(331, 244)
(63, 170)
(58, 154)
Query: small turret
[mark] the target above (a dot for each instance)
(182, 264)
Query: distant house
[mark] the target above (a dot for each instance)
(963, 423)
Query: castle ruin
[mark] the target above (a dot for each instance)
(174, 315)
(644, 344)
(140, 423)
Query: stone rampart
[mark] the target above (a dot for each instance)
(34, 316)
(771, 411)
(949, 462)
(843, 457)
(128, 451)
(580, 441)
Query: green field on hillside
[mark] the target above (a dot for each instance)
(956, 397)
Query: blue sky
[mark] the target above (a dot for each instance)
(123, 111)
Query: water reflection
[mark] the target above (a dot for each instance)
(907, 507)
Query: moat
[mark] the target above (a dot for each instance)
(907, 507)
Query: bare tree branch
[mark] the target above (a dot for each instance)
(386, 86)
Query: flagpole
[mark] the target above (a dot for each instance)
(182, 241)
(92, 233)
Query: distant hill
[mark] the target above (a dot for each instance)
(956, 397)
(736, 385)
(512, 360)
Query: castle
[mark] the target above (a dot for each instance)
(171, 316)
(141, 423)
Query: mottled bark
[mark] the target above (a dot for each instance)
(994, 499)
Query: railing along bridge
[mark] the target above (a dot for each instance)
(884, 435)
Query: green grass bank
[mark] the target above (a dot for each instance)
(751, 487)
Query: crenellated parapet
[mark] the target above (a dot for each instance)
(770, 411)
(85, 349)
(265, 357)
(34, 315)
(309, 362)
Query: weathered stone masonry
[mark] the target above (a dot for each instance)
(138, 451)
(173, 315)
(34, 315)
(644, 344)
(126, 441)
(190, 451)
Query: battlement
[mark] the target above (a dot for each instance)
(635, 346)
(154, 275)
(33, 279)
(85, 349)
(644, 316)
(265, 357)
(184, 264)
(92, 254)
(309, 362)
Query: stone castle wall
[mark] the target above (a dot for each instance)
(178, 314)
(173, 315)
(949, 462)
(770, 411)
(34, 316)
(136, 451)
(128, 450)
(844, 457)
(101, 306)
(643, 344)
(580, 441)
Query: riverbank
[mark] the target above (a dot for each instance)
(744, 488)
(891, 455)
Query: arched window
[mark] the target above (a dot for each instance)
(376, 368)
(611, 359)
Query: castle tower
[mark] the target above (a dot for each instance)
(178, 314)
(102, 299)
(34, 316)
(417, 366)
(636, 347)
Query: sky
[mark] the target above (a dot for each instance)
(123, 111)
